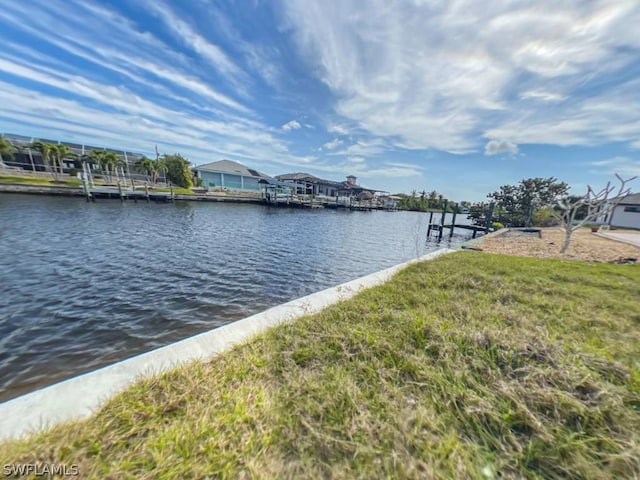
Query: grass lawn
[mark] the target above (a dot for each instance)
(39, 181)
(470, 366)
(176, 190)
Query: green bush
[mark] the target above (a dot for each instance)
(543, 218)
(178, 170)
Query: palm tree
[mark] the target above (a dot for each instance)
(151, 167)
(161, 166)
(144, 165)
(95, 157)
(104, 159)
(60, 153)
(111, 161)
(6, 149)
(45, 150)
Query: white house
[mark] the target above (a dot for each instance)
(230, 174)
(626, 214)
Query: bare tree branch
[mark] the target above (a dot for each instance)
(598, 204)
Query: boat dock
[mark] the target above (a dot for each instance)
(298, 201)
(441, 225)
(125, 193)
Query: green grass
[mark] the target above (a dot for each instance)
(176, 190)
(39, 181)
(469, 366)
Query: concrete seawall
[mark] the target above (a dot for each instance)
(80, 396)
(40, 189)
(67, 191)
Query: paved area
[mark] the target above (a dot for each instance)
(632, 238)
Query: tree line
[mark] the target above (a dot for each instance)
(424, 202)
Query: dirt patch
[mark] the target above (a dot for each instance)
(584, 246)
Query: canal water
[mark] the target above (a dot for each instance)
(85, 285)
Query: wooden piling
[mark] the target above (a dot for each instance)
(430, 225)
(442, 219)
(453, 221)
(85, 184)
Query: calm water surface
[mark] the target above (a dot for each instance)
(84, 285)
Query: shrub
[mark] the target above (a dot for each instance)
(543, 218)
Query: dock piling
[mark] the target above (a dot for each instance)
(453, 220)
(85, 184)
(442, 219)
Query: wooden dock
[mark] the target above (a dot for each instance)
(300, 202)
(441, 226)
(125, 193)
(451, 227)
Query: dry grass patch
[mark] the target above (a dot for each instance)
(469, 366)
(584, 246)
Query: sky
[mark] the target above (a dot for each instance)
(457, 96)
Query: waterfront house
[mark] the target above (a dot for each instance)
(229, 174)
(350, 188)
(328, 188)
(312, 184)
(389, 201)
(30, 159)
(626, 214)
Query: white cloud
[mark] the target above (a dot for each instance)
(390, 171)
(493, 147)
(263, 61)
(291, 125)
(359, 167)
(113, 44)
(337, 129)
(611, 116)
(543, 96)
(370, 147)
(623, 166)
(423, 75)
(335, 143)
(189, 37)
(356, 160)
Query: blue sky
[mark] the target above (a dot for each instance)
(454, 96)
